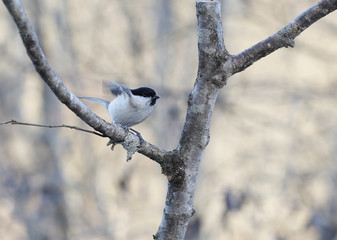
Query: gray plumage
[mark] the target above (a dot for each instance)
(131, 106)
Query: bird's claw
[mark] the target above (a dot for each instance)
(138, 135)
(112, 144)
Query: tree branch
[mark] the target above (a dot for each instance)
(283, 38)
(14, 122)
(116, 133)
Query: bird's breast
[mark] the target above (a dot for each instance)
(129, 112)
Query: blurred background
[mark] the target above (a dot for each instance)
(269, 172)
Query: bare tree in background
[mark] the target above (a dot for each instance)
(216, 66)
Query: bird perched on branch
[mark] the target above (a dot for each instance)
(131, 106)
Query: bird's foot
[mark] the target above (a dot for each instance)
(138, 135)
(113, 144)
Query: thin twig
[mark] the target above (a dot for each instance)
(14, 122)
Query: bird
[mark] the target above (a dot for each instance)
(131, 106)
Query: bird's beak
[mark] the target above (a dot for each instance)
(156, 97)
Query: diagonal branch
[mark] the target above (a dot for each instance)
(283, 38)
(46, 72)
(116, 133)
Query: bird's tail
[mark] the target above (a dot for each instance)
(102, 101)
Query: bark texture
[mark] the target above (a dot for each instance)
(195, 136)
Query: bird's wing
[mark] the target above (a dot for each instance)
(102, 101)
(116, 88)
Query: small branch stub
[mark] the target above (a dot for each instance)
(131, 145)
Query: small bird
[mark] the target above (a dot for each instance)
(131, 106)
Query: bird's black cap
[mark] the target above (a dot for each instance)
(146, 92)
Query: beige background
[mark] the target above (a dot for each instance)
(269, 171)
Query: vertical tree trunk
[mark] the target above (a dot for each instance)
(195, 136)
